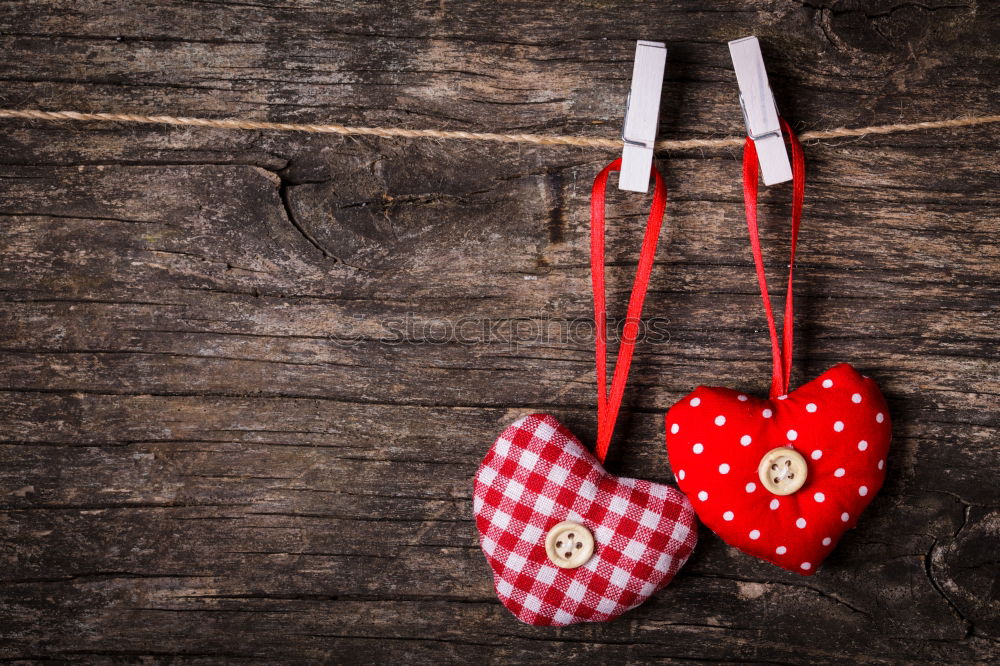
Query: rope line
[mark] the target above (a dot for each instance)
(536, 139)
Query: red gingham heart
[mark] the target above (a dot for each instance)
(839, 422)
(536, 475)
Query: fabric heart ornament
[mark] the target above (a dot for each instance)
(836, 426)
(567, 541)
(632, 536)
(781, 479)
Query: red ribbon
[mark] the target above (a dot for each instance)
(781, 353)
(608, 405)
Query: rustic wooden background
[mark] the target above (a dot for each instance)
(212, 449)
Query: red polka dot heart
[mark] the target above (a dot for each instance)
(782, 479)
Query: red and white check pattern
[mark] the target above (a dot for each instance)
(536, 475)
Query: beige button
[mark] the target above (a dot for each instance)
(783, 470)
(569, 545)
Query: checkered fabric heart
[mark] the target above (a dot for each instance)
(537, 475)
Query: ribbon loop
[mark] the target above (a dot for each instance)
(608, 405)
(781, 352)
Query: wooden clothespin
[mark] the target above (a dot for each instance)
(759, 110)
(642, 113)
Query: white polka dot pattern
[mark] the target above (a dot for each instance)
(837, 422)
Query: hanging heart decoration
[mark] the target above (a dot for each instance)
(781, 479)
(567, 541)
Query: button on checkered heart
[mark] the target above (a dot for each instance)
(730, 454)
(537, 476)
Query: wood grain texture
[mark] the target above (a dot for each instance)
(216, 447)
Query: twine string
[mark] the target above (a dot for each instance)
(536, 139)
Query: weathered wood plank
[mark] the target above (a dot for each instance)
(215, 447)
